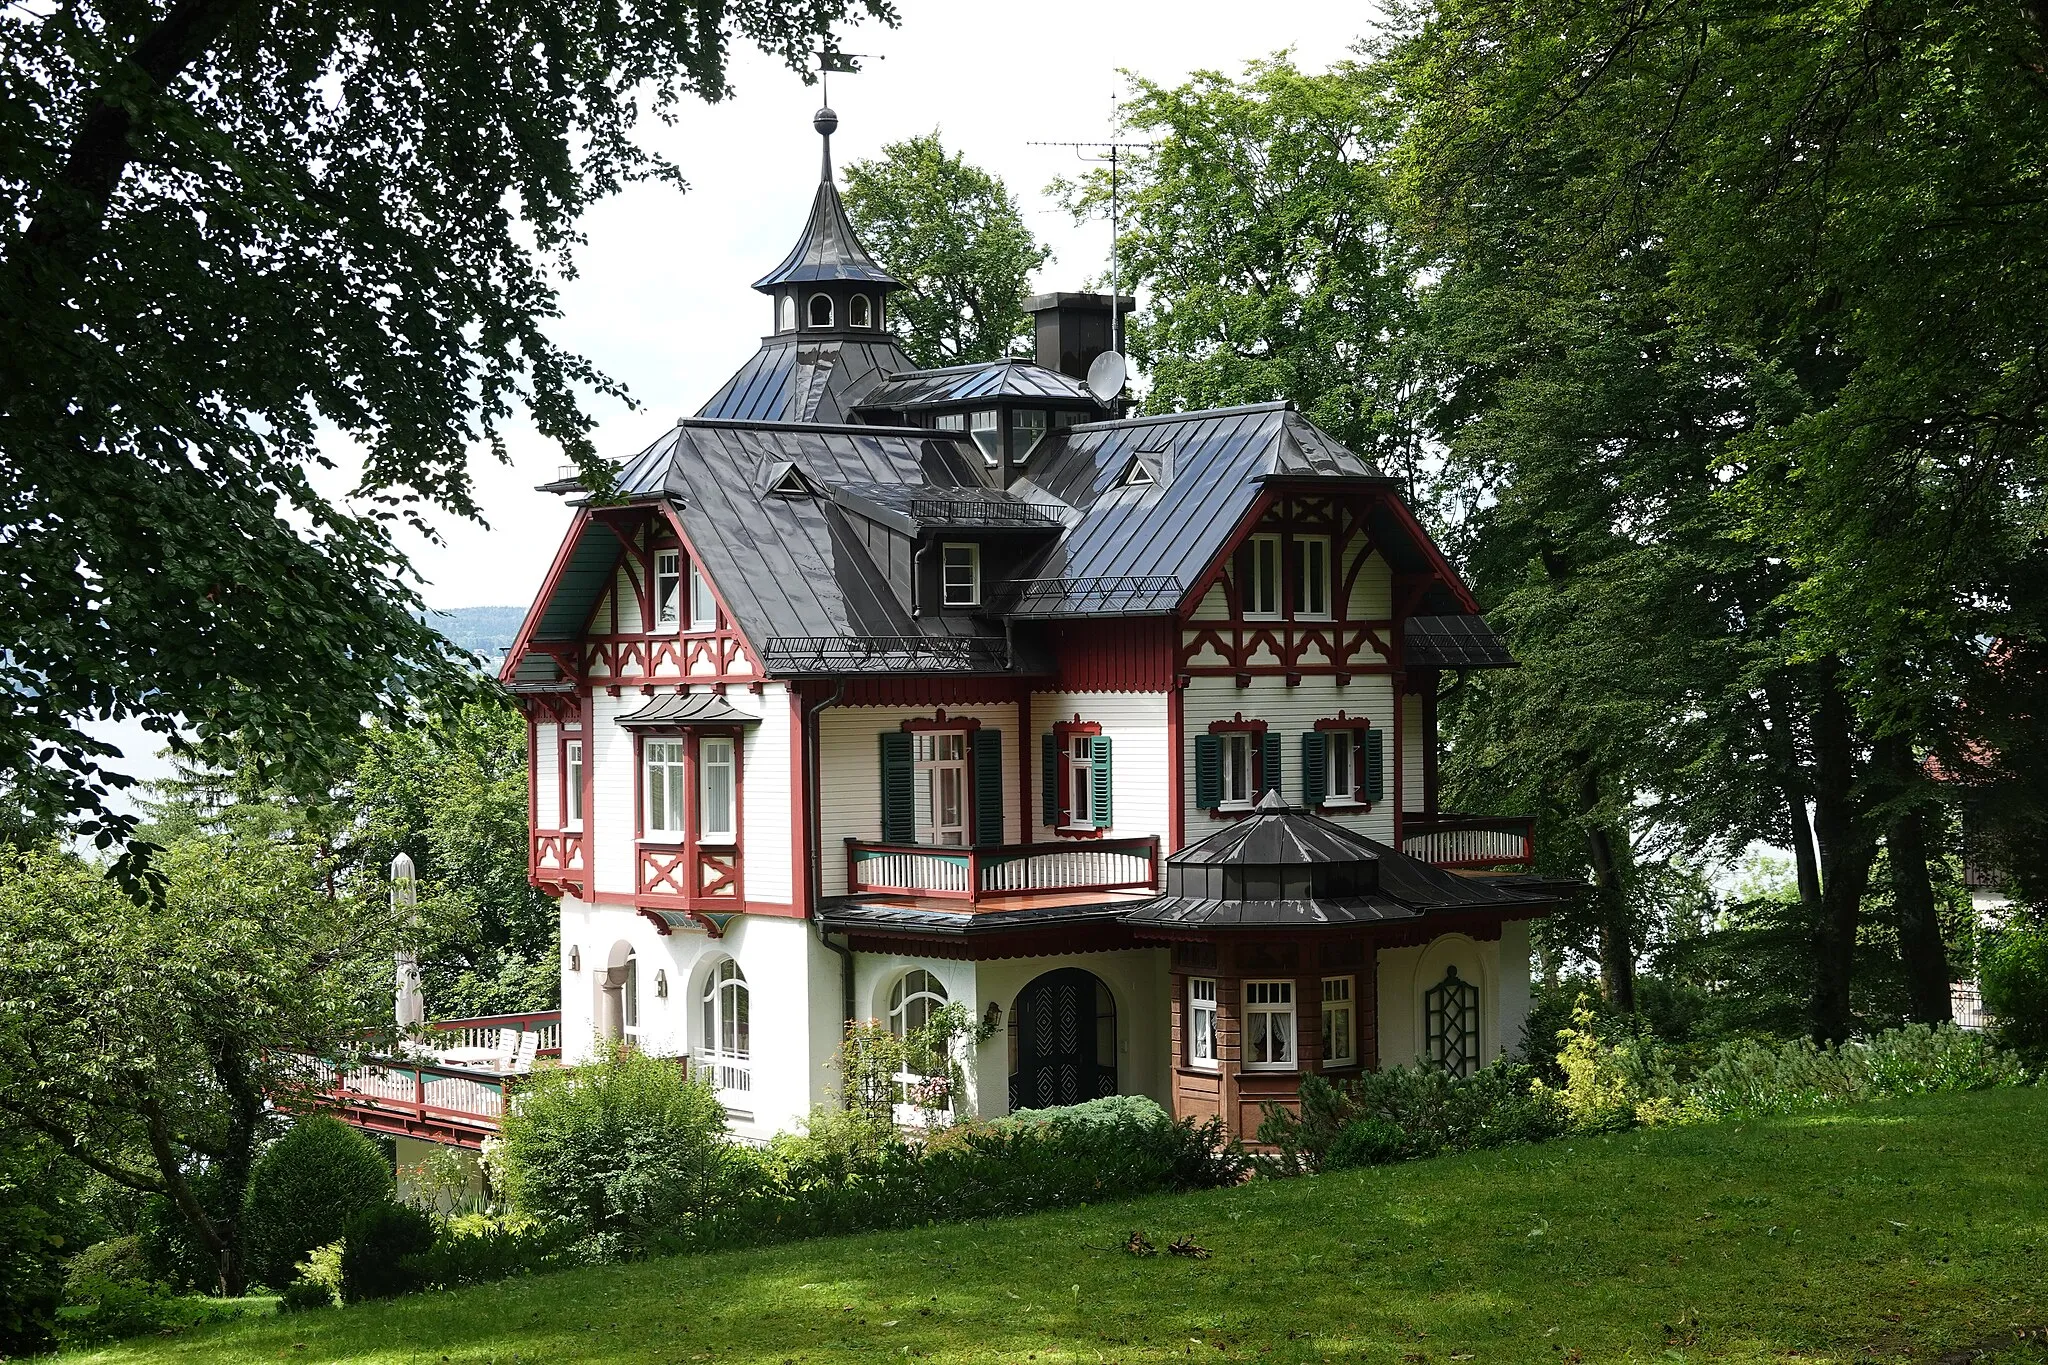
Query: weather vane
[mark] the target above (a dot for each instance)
(845, 63)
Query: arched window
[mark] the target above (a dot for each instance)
(1450, 1016)
(726, 1047)
(821, 310)
(859, 313)
(913, 1002)
(788, 314)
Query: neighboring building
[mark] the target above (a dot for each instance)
(872, 688)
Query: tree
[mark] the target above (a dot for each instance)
(954, 234)
(149, 1042)
(1259, 225)
(231, 227)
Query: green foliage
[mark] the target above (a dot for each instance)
(379, 1251)
(302, 1192)
(1428, 1109)
(872, 1055)
(1370, 1141)
(615, 1151)
(478, 1248)
(98, 1310)
(182, 1021)
(226, 234)
(1613, 1083)
(1752, 1078)
(2014, 970)
(318, 1282)
(33, 1227)
(117, 1258)
(1258, 227)
(1111, 1111)
(954, 234)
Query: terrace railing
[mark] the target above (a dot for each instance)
(975, 874)
(485, 1030)
(979, 512)
(1454, 841)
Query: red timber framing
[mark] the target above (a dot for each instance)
(557, 857)
(720, 655)
(688, 873)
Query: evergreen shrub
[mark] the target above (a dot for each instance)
(117, 1258)
(1421, 1111)
(476, 1248)
(380, 1249)
(304, 1189)
(2014, 967)
(1752, 1079)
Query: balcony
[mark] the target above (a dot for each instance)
(974, 875)
(450, 1089)
(1453, 841)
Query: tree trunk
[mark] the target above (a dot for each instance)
(1794, 787)
(1921, 950)
(1847, 849)
(1610, 902)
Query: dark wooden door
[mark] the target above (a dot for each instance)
(1063, 1043)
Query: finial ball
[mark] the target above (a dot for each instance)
(825, 121)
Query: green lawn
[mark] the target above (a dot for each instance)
(1912, 1231)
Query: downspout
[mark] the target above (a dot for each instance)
(916, 575)
(814, 841)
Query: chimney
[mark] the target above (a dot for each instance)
(1073, 329)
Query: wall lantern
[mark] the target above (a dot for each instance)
(661, 984)
(575, 958)
(993, 1018)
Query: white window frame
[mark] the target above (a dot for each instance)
(915, 986)
(1080, 775)
(1312, 590)
(1266, 1004)
(715, 754)
(948, 596)
(629, 997)
(811, 311)
(1343, 752)
(727, 1008)
(860, 311)
(664, 769)
(1246, 792)
(929, 774)
(786, 315)
(703, 602)
(668, 589)
(1024, 436)
(1203, 1044)
(1340, 1007)
(987, 423)
(950, 421)
(1262, 600)
(572, 784)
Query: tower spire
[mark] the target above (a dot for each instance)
(826, 122)
(828, 248)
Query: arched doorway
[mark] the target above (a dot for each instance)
(1062, 1041)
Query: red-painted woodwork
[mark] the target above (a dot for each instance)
(1130, 655)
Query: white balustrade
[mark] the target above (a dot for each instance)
(1057, 869)
(1446, 847)
(914, 871)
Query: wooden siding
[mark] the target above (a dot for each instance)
(1372, 592)
(1140, 765)
(1414, 745)
(1114, 656)
(850, 775)
(613, 817)
(766, 838)
(547, 776)
(1287, 711)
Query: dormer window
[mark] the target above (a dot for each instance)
(668, 583)
(985, 427)
(788, 313)
(951, 421)
(860, 312)
(821, 310)
(960, 575)
(1027, 429)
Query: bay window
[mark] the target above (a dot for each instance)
(1202, 1022)
(662, 780)
(1340, 1027)
(717, 790)
(1269, 1026)
(572, 784)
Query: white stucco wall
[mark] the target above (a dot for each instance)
(1405, 973)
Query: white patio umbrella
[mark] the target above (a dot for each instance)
(412, 998)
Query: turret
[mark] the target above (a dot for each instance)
(828, 282)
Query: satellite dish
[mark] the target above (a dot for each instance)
(1106, 376)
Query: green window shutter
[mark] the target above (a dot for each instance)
(1269, 756)
(1049, 781)
(988, 787)
(1099, 795)
(1375, 764)
(1208, 771)
(1315, 767)
(899, 806)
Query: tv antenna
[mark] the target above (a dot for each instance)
(1110, 154)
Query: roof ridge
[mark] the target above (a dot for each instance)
(1153, 419)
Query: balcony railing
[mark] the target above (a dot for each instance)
(449, 1104)
(489, 1030)
(1045, 597)
(828, 655)
(1446, 840)
(973, 874)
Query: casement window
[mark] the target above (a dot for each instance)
(1269, 1026)
(1202, 1021)
(960, 575)
(668, 582)
(1312, 587)
(914, 999)
(1262, 577)
(942, 786)
(726, 1047)
(1235, 764)
(572, 784)
(788, 313)
(629, 997)
(860, 312)
(985, 426)
(717, 790)
(703, 606)
(1027, 429)
(1343, 763)
(1340, 1024)
(1076, 777)
(663, 792)
(1450, 1024)
(951, 421)
(821, 310)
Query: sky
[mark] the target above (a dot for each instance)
(662, 302)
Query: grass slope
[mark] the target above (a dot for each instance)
(1905, 1231)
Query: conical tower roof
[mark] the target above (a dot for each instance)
(828, 248)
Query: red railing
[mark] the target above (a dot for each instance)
(1447, 840)
(483, 1030)
(452, 1105)
(974, 874)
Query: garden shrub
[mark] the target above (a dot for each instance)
(2013, 965)
(476, 1248)
(319, 1281)
(98, 1309)
(118, 1258)
(378, 1251)
(304, 1189)
(1431, 1109)
(1612, 1083)
(302, 1295)
(1754, 1079)
(619, 1150)
(1365, 1142)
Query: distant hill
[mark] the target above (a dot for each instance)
(488, 631)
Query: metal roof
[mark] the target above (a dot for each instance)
(1453, 642)
(688, 708)
(1008, 378)
(829, 249)
(799, 378)
(1278, 834)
